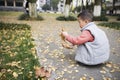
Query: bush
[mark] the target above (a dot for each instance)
(32, 1)
(27, 17)
(118, 18)
(63, 18)
(115, 25)
(46, 7)
(100, 18)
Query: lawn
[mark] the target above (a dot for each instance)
(17, 52)
(114, 25)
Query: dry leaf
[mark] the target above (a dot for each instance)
(105, 78)
(91, 78)
(15, 74)
(76, 71)
(66, 45)
(83, 78)
(3, 70)
(113, 70)
(61, 35)
(47, 73)
(109, 64)
(41, 72)
(103, 71)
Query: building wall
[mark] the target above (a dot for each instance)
(11, 3)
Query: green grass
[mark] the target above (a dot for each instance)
(17, 52)
(9, 13)
(114, 25)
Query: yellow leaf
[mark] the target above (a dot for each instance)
(15, 74)
(83, 78)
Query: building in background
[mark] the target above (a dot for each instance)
(18, 5)
(109, 6)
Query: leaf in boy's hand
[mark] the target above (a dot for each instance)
(62, 37)
(65, 45)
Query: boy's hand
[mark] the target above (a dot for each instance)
(64, 34)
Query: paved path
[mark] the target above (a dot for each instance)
(61, 61)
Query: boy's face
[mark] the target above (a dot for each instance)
(82, 23)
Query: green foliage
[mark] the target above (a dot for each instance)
(54, 4)
(14, 26)
(63, 18)
(78, 9)
(118, 18)
(27, 17)
(115, 25)
(32, 1)
(68, 1)
(17, 52)
(100, 18)
(46, 7)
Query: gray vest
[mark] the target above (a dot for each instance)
(96, 52)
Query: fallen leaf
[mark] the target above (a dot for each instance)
(47, 73)
(15, 74)
(91, 78)
(105, 78)
(103, 71)
(113, 70)
(109, 64)
(83, 78)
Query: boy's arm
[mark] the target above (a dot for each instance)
(85, 36)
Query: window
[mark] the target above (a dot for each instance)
(1, 2)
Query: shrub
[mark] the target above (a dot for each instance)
(100, 18)
(46, 7)
(115, 25)
(63, 18)
(118, 18)
(27, 17)
(32, 1)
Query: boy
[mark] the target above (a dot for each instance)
(93, 45)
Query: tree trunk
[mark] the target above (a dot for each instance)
(67, 10)
(5, 1)
(14, 3)
(33, 10)
(82, 6)
(97, 8)
(67, 7)
(114, 9)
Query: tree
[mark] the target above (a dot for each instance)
(54, 4)
(67, 7)
(97, 8)
(46, 7)
(113, 5)
(32, 8)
